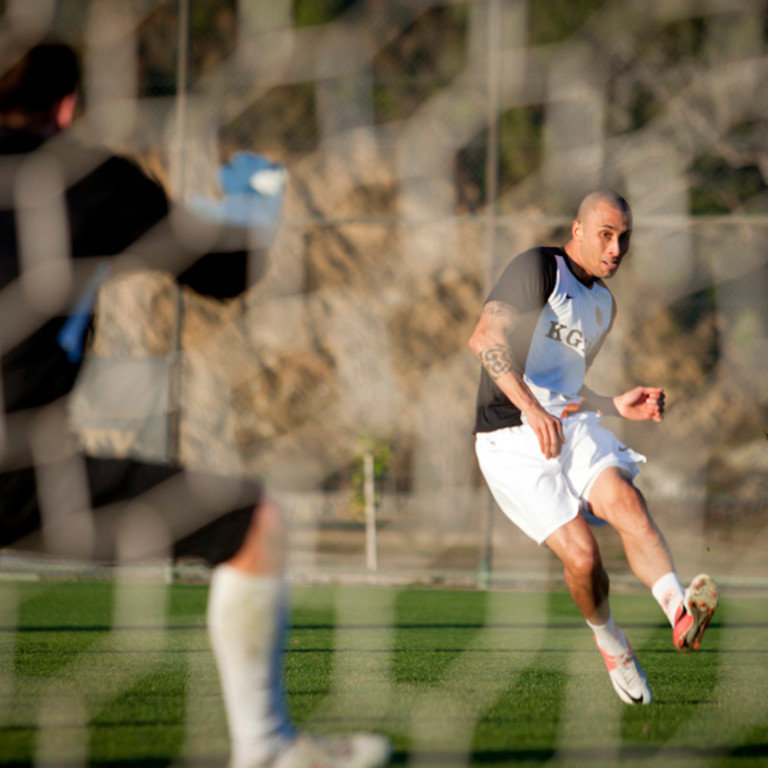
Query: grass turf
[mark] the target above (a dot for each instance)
(94, 673)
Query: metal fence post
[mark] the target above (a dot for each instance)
(493, 26)
(179, 184)
(369, 494)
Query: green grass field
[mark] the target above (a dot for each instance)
(99, 674)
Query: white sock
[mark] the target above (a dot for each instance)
(669, 593)
(246, 622)
(609, 637)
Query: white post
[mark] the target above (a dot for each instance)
(494, 26)
(371, 556)
(179, 183)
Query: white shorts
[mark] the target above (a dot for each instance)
(541, 495)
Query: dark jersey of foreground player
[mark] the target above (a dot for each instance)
(108, 205)
(66, 211)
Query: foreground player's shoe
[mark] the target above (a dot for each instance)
(627, 676)
(694, 613)
(358, 750)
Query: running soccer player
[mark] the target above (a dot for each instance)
(548, 462)
(65, 211)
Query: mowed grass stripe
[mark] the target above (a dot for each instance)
(454, 677)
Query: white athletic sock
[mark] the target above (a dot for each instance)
(609, 637)
(246, 622)
(669, 593)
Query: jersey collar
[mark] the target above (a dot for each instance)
(575, 269)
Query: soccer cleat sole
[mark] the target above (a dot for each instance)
(700, 603)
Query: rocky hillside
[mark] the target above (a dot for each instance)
(358, 330)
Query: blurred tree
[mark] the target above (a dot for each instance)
(552, 21)
(307, 13)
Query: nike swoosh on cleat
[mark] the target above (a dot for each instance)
(635, 699)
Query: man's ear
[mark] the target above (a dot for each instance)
(577, 231)
(64, 111)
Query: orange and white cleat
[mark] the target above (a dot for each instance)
(694, 613)
(627, 676)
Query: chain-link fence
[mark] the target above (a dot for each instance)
(426, 144)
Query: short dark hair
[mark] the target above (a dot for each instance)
(40, 78)
(604, 195)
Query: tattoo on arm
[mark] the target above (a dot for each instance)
(499, 309)
(497, 361)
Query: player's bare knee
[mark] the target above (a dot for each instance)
(267, 523)
(622, 505)
(584, 562)
(263, 548)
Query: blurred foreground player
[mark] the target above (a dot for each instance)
(548, 462)
(65, 211)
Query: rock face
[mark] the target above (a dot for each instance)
(358, 330)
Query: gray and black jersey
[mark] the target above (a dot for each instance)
(563, 322)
